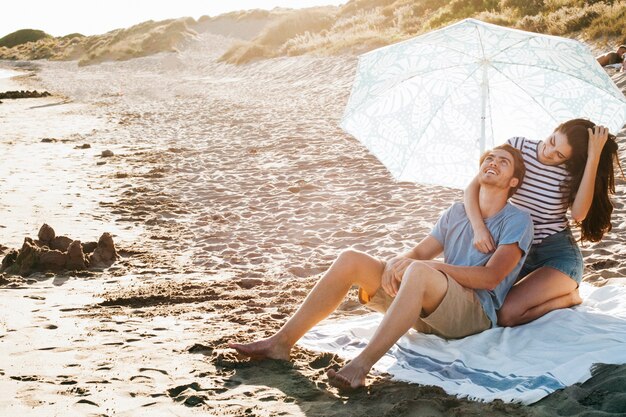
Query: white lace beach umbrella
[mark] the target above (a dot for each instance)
(427, 107)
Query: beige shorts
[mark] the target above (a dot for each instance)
(460, 313)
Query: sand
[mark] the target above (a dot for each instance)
(230, 190)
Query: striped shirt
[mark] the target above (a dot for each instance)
(543, 193)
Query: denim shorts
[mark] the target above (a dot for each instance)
(559, 251)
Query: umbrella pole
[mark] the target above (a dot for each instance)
(483, 105)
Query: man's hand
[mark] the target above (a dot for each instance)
(392, 275)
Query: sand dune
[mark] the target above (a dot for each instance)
(231, 190)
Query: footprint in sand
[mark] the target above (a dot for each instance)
(140, 378)
(26, 378)
(87, 402)
(153, 369)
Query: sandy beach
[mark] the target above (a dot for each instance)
(230, 190)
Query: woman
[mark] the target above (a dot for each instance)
(571, 169)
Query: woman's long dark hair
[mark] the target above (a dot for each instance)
(598, 219)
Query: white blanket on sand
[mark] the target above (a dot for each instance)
(520, 364)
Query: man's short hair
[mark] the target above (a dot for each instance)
(519, 168)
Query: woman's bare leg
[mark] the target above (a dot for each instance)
(422, 289)
(538, 293)
(351, 267)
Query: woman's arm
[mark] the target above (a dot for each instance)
(584, 196)
(482, 238)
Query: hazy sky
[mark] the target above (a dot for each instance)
(61, 17)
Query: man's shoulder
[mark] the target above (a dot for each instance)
(516, 221)
(510, 211)
(457, 209)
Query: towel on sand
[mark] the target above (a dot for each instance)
(520, 364)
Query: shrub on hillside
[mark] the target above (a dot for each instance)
(22, 36)
(497, 18)
(610, 24)
(536, 23)
(73, 35)
(308, 20)
(457, 10)
(525, 7)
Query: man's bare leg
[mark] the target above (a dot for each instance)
(422, 288)
(351, 267)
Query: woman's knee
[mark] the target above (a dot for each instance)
(508, 316)
(574, 298)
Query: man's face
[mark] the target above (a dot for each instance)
(497, 170)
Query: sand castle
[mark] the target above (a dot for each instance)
(57, 253)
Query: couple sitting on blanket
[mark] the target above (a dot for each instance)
(487, 243)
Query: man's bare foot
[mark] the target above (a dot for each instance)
(350, 377)
(263, 349)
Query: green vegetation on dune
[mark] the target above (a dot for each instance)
(355, 27)
(73, 35)
(21, 37)
(362, 25)
(140, 40)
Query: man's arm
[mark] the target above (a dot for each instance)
(427, 249)
(603, 59)
(487, 277)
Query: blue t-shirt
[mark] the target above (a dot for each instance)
(510, 225)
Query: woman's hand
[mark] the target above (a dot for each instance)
(597, 138)
(483, 241)
(392, 275)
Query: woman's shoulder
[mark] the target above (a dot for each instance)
(521, 142)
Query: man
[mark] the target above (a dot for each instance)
(611, 58)
(452, 299)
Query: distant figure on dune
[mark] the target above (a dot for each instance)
(612, 58)
(454, 299)
(570, 169)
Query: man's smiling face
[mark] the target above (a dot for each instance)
(497, 169)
